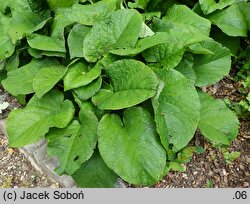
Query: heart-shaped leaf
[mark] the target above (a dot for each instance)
(130, 146)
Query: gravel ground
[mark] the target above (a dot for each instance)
(16, 171)
(210, 168)
(205, 170)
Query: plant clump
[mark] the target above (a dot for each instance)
(114, 86)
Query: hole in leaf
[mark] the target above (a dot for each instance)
(76, 158)
(67, 136)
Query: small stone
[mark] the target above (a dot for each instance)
(242, 167)
(210, 173)
(53, 186)
(246, 184)
(195, 172)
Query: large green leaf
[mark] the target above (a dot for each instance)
(133, 83)
(244, 8)
(208, 6)
(46, 43)
(24, 23)
(76, 38)
(74, 144)
(94, 173)
(79, 75)
(40, 53)
(55, 4)
(217, 123)
(47, 78)
(28, 125)
(182, 16)
(168, 55)
(27, 16)
(210, 68)
(130, 146)
(20, 81)
(177, 109)
(120, 30)
(232, 43)
(231, 21)
(83, 14)
(7, 47)
(142, 4)
(24, 5)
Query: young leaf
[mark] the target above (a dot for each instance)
(28, 125)
(79, 75)
(74, 144)
(175, 166)
(86, 92)
(217, 123)
(130, 146)
(177, 109)
(133, 83)
(120, 30)
(94, 173)
(46, 79)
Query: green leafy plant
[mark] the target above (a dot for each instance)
(209, 183)
(230, 156)
(116, 91)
